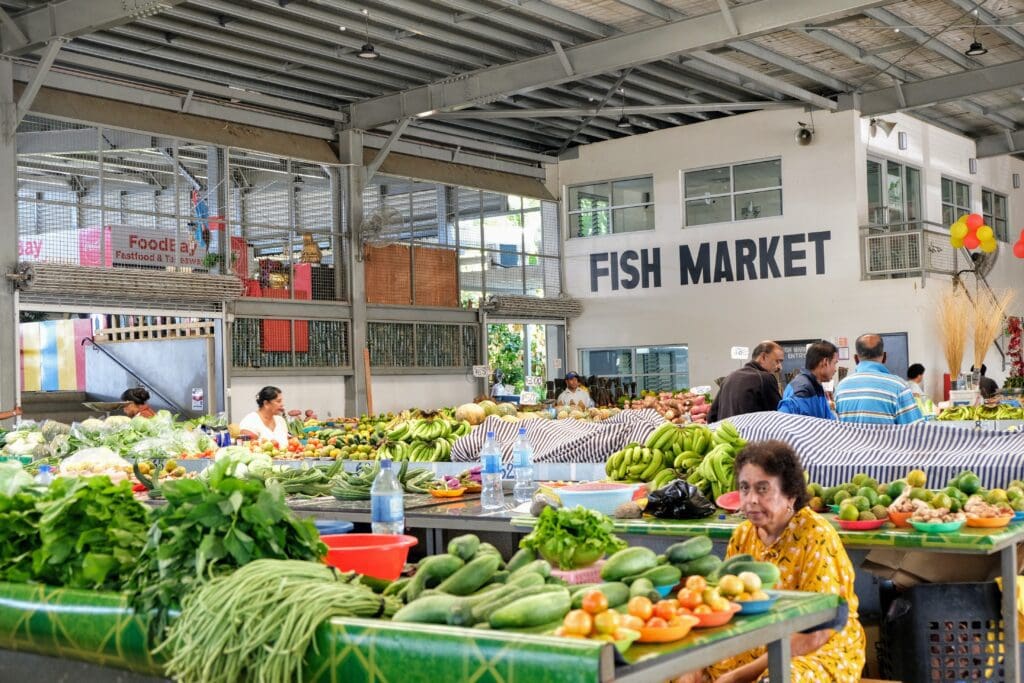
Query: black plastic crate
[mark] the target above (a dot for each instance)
(941, 633)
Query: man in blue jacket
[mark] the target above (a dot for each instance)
(805, 395)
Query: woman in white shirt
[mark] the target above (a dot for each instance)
(266, 421)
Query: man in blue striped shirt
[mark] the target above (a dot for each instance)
(872, 394)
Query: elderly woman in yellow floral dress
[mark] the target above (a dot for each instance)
(781, 529)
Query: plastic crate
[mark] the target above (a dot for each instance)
(591, 574)
(941, 633)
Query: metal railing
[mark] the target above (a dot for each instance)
(98, 347)
(910, 249)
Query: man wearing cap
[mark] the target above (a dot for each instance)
(574, 395)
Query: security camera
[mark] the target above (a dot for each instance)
(804, 135)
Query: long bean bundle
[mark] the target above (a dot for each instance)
(257, 623)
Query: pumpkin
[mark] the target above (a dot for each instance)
(472, 413)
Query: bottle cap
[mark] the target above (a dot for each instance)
(522, 431)
(44, 468)
(490, 435)
(385, 463)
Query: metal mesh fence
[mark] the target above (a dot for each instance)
(422, 345)
(276, 343)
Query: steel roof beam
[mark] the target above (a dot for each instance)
(938, 90)
(1003, 143)
(653, 8)
(641, 47)
(992, 22)
(922, 38)
(35, 83)
(730, 21)
(72, 18)
(776, 84)
(789, 64)
(611, 110)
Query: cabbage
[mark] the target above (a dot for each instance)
(91, 425)
(117, 421)
(13, 478)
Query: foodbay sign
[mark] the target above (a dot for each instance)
(764, 258)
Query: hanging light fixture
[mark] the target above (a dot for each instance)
(367, 51)
(976, 49)
(623, 121)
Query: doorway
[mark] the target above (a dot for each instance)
(528, 353)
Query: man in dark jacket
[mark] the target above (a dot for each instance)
(805, 395)
(753, 387)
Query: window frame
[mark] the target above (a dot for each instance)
(733, 193)
(609, 210)
(635, 375)
(958, 209)
(906, 203)
(991, 219)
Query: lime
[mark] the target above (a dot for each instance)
(884, 500)
(996, 496)
(862, 504)
(1013, 493)
(882, 489)
(816, 504)
(917, 478)
(830, 494)
(896, 488)
(969, 483)
(941, 501)
(1017, 483)
(848, 513)
(858, 479)
(869, 493)
(919, 494)
(851, 488)
(840, 497)
(956, 506)
(870, 482)
(1017, 504)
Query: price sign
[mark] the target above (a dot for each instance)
(534, 381)
(528, 398)
(558, 363)
(740, 353)
(481, 370)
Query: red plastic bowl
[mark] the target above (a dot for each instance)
(378, 555)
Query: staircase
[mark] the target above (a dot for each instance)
(62, 406)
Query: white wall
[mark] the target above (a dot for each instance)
(394, 393)
(323, 395)
(823, 189)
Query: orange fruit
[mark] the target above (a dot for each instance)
(594, 602)
(607, 622)
(688, 598)
(702, 609)
(578, 622)
(640, 606)
(696, 583)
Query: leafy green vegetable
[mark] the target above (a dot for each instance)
(19, 535)
(213, 527)
(90, 532)
(572, 538)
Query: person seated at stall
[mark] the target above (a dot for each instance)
(574, 396)
(990, 397)
(137, 403)
(8, 414)
(781, 529)
(266, 422)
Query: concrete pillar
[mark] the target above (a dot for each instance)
(350, 148)
(9, 390)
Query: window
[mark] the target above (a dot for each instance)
(993, 208)
(611, 207)
(651, 368)
(956, 200)
(733, 193)
(894, 194)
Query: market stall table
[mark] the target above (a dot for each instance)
(967, 541)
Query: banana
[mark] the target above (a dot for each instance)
(634, 471)
(658, 434)
(657, 460)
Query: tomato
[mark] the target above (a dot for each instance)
(595, 602)
(577, 622)
(702, 609)
(606, 622)
(640, 606)
(696, 583)
(664, 609)
(562, 633)
(688, 598)
(630, 621)
(656, 622)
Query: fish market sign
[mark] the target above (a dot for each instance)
(765, 258)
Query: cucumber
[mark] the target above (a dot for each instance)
(430, 572)
(628, 562)
(487, 548)
(767, 571)
(500, 576)
(643, 587)
(663, 575)
(616, 592)
(482, 611)
(702, 566)
(690, 549)
(471, 576)
(556, 581)
(395, 587)
(374, 584)
(432, 609)
(536, 567)
(724, 568)
(533, 610)
(462, 612)
(523, 557)
(525, 579)
(464, 547)
(581, 587)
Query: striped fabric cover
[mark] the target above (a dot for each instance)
(832, 452)
(568, 441)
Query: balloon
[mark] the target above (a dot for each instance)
(1018, 249)
(957, 243)
(988, 246)
(972, 242)
(985, 233)
(974, 221)
(1022, 234)
(958, 230)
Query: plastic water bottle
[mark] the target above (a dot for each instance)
(491, 495)
(387, 509)
(44, 477)
(522, 467)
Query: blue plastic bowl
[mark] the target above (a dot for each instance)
(758, 606)
(602, 500)
(330, 527)
(663, 591)
(1018, 516)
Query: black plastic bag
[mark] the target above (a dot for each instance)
(679, 500)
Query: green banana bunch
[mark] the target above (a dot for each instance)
(663, 437)
(662, 478)
(728, 434)
(399, 431)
